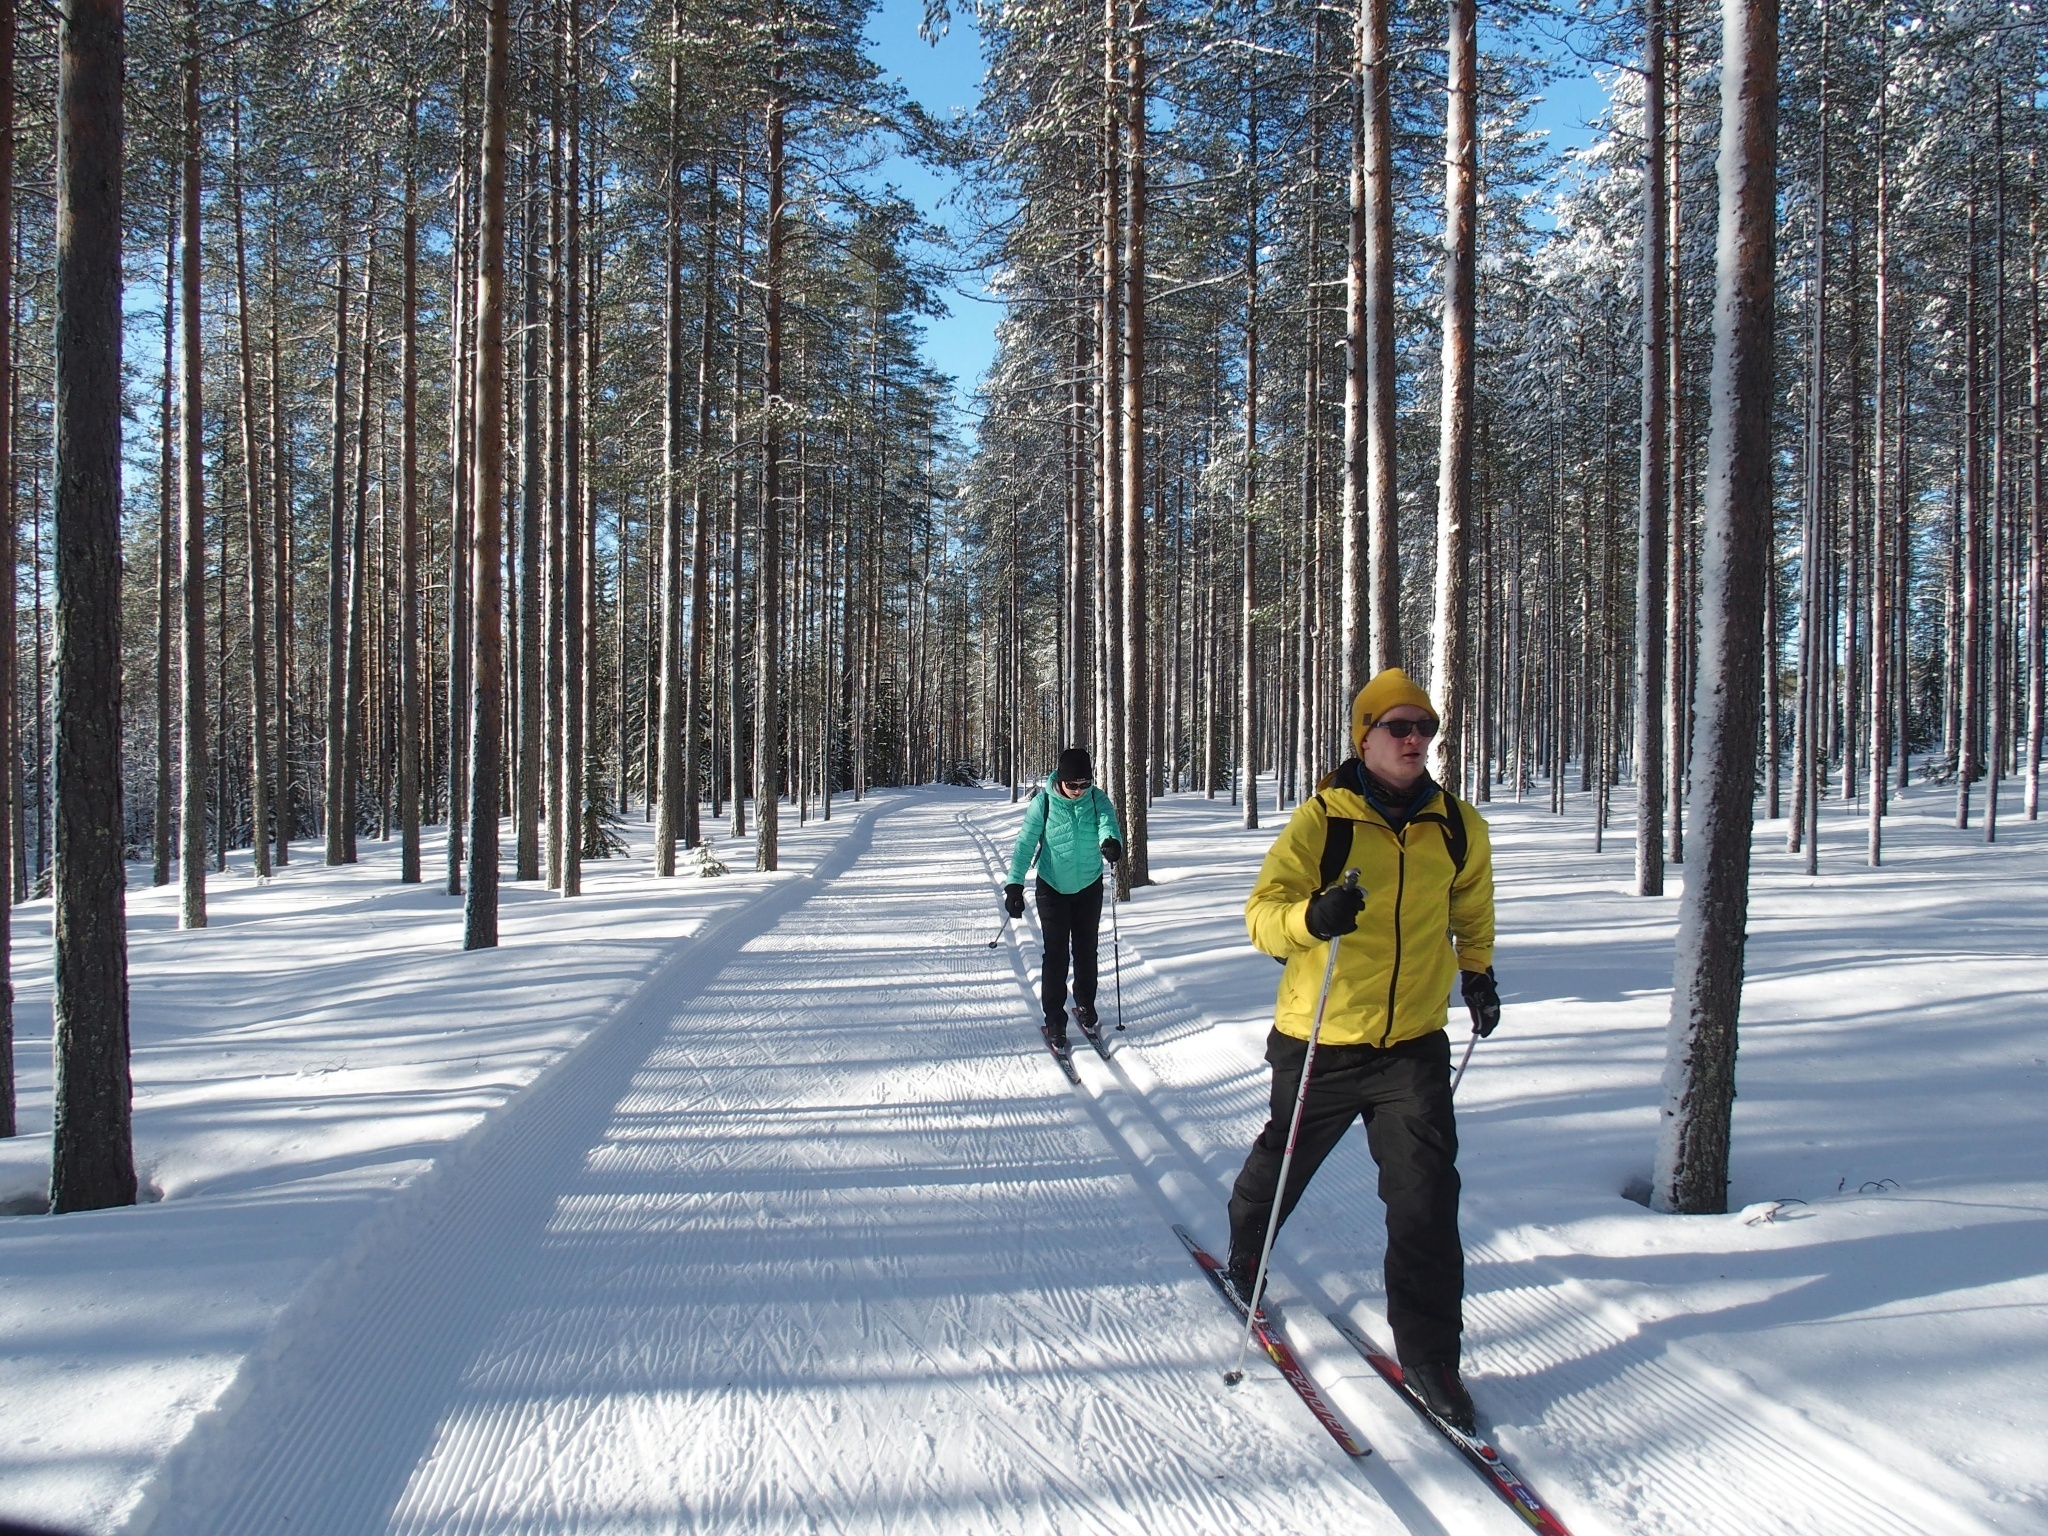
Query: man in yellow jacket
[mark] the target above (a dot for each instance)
(1422, 917)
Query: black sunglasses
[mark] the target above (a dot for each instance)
(1076, 783)
(1400, 729)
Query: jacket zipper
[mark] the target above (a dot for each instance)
(1400, 888)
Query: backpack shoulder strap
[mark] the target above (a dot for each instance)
(1336, 846)
(1456, 841)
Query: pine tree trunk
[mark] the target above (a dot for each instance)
(357, 655)
(1845, 678)
(284, 805)
(166, 549)
(337, 563)
(480, 908)
(1652, 510)
(1810, 750)
(768, 554)
(1902, 550)
(554, 532)
(1970, 687)
(735, 551)
(1075, 606)
(1454, 455)
(575, 648)
(697, 755)
(219, 761)
(2034, 658)
(408, 525)
(1880, 589)
(1137, 753)
(192, 767)
(1678, 632)
(1994, 639)
(1774, 649)
(1691, 1174)
(617, 796)
(1110, 680)
(461, 375)
(8, 567)
(1381, 379)
(674, 686)
(259, 681)
(1312, 713)
(1247, 635)
(528, 598)
(1354, 578)
(92, 1158)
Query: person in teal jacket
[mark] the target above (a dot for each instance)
(1069, 829)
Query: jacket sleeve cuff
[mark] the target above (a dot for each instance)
(1474, 957)
(1297, 926)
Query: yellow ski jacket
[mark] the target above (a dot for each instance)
(1424, 919)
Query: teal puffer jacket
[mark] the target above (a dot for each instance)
(1064, 838)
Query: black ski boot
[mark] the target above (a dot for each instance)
(1436, 1383)
(1084, 1015)
(1056, 1035)
(1242, 1271)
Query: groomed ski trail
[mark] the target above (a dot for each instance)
(1664, 1442)
(810, 1237)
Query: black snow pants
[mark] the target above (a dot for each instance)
(1403, 1094)
(1070, 925)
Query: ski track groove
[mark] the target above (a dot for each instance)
(1642, 1425)
(809, 1237)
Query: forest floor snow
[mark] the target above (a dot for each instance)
(752, 1204)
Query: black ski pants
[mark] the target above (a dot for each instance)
(1403, 1094)
(1070, 925)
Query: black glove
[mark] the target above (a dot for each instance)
(1482, 997)
(1013, 900)
(1112, 850)
(1335, 911)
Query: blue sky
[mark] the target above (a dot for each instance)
(944, 78)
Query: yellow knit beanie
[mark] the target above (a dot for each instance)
(1390, 688)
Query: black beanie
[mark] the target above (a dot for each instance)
(1075, 768)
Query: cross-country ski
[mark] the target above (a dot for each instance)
(1500, 1475)
(1276, 1347)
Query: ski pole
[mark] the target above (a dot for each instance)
(1235, 1374)
(1116, 948)
(1460, 1073)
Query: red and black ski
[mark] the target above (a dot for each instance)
(1277, 1350)
(1500, 1476)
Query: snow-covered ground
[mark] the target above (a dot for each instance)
(752, 1204)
